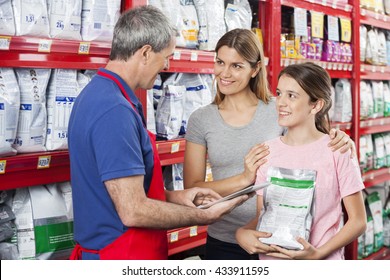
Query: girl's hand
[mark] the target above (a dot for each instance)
(309, 252)
(341, 141)
(248, 239)
(255, 158)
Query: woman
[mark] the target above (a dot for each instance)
(230, 132)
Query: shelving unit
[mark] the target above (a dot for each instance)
(48, 167)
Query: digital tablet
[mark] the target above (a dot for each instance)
(246, 190)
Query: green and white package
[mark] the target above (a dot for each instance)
(288, 206)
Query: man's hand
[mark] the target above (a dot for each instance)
(192, 197)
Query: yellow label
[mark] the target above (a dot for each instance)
(3, 163)
(346, 33)
(175, 147)
(43, 162)
(317, 24)
(84, 47)
(5, 41)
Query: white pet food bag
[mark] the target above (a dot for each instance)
(170, 109)
(343, 101)
(379, 151)
(363, 42)
(61, 95)
(366, 100)
(376, 207)
(238, 15)
(98, 18)
(372, 47)
(9, 111)
(187, 26)
(288, 206)
(32, 123)
(377, 91)
(31, 18)
(7, 20)
(211, 22)
(197, 95)
(151, 115)
(65, 19)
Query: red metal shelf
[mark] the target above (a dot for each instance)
(377, 125)
(171, 151)
(382, 254)
(333, 8)
(375, 177)
(375, 19)
(335, 69)
(183, 239)
(375, 72)
(22, 170)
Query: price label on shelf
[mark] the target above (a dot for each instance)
(175, 147)
(44, 45)
(84, 47)
(5, 41)
(176, 55)
(174, 236)
(194, 56)
(193, 231)
(3, 163)
(43, 162)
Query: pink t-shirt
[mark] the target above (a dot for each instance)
(337, 177)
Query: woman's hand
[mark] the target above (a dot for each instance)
(341, 141)
(255, 158)
(248, 239)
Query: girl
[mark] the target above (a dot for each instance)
(303, 101)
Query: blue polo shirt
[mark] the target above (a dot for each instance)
(107, 140)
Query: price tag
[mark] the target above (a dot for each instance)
(373, 69)
(175, 147)
(324, 3)
(5, 41)
(3, 163)
(44, 45)
(174, 236)
(43, 162)
(84, 47)
(194, 56)
(193, 231)
(176, 55)
(334, 4)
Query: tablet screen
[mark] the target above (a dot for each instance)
(246, 190)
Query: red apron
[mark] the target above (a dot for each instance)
(136, 243)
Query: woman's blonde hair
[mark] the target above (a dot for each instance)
(248, 46)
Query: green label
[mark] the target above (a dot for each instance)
(54, 237)
(298, 184)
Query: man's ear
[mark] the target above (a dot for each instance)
(145, 52)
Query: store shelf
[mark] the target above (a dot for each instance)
(382, 254)
(171, 151)
(335, 69)
(375, 19)
(375, 72)
(375, 177)
(26, 170)
(52, 53)
(183, 239)
(376, 125)
(333, 8)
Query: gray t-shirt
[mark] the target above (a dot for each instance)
(226, 147)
